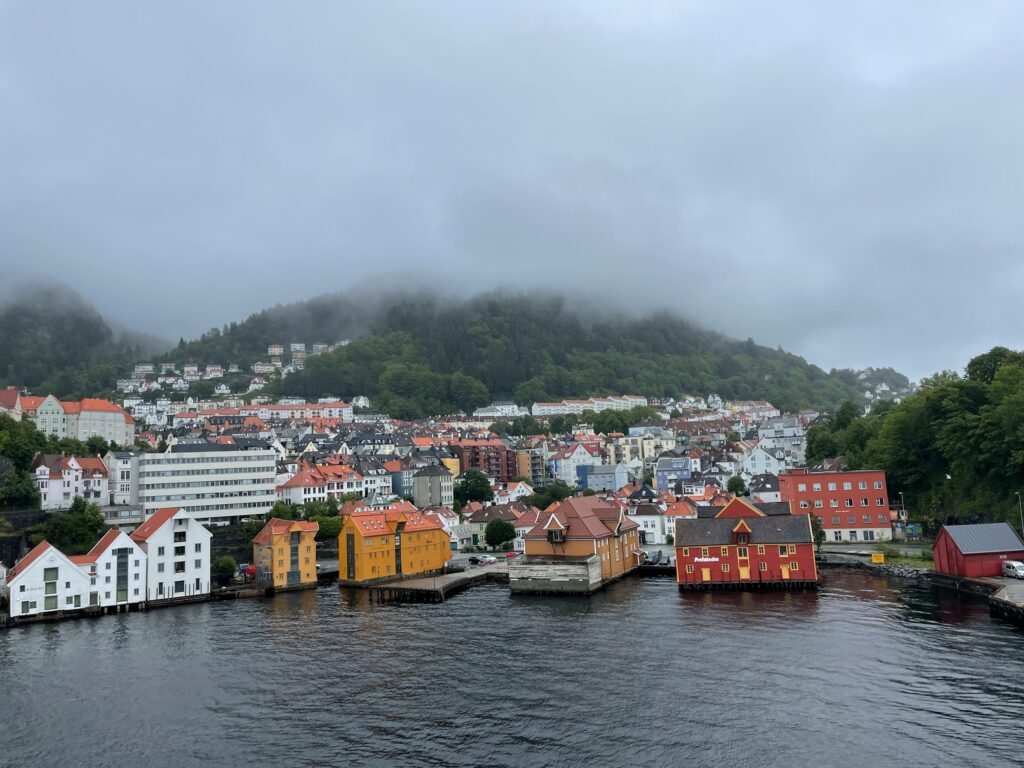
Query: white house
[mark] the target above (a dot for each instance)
(60, 479)
(565, 462)
(47, 581)
(759, 462)
(116, 567)
(177, 555)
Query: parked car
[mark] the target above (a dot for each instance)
(487, 559)
(474, 560)
(510, 555)
(1013, 568)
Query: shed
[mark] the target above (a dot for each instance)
(976, 550)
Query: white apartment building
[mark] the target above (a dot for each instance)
(177, 555)
(123, 476)
(215, 484)
(501, 410)
(596, 404)
(59, 479)
(81, 420)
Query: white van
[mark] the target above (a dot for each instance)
(1013, 568)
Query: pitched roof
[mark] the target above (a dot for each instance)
(717, 531)
(984, 537)
(586, 517)
(276, 526)
(153, 524)
(37, 551)
(9, 397)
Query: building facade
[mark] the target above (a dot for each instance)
(177, 551)
(215, 484)
(284, 553)
(391, 544)
(746, 547)
(851, 506)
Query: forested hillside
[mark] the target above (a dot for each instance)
(52, 340)
(428, 355)
(955, 448)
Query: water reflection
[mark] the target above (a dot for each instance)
(863, 672)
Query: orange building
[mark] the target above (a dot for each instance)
(284, 553)
(394, 543)
(578, 546)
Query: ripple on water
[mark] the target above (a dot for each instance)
(863, 672)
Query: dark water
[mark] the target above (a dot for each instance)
(865, 672)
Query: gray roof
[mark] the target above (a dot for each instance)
(985, 537)
(432, 470)
(769, 508)
(714, 532)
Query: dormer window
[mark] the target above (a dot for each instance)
(742, 538)
(556, 536)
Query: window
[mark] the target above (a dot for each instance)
(760, 549)
(69, 600)
(817, 504)
(179, 551)
(862, 485)
(136, 577)
(136, 563)
(725, 567)
(741, 552)
(835, 519)
(837, 535)
(159, 567)
(725, 551)
(49, 574)
(833, 503)
(136, 591)
(804, 505)
(879, 502)
(199, 547)
(179, 567)
(686, 553)
(159, 550)
(689, 569)
(794, 565)
(198, 586)
(179, 586)
(801, 487)
(851, 519)
(106, 580)
(816, 487)
(782, 550)
(883, 518)
(179, 537)
(849, 502)
(199, 563)
(792, 549)
(762, 566)
(703, 551)
(878, 485)
(831, 486)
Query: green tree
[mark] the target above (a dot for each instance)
(467, 393)
(821, 444)
(74, 531)
(736, 486)
(330, 528)
(224, 568)
(817, 532)
(472, 486)
(498, 532)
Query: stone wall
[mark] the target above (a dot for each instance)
(553, 576)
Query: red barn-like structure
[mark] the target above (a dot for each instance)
(976, 550)
(746, 546)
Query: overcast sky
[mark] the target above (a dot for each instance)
(844, 181)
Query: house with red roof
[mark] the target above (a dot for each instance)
(577, 547)
(393, 543)
(177, 555)
(81, 420)
(116, 566)
(60, 479)
(284, 553)
(10, 402)
(46, 581)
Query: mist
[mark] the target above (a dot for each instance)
(845, 184)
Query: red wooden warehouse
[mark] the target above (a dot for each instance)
(746, 546)
(976, 550)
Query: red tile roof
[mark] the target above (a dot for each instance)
(153, 524)
(276, 526)
(19, 567)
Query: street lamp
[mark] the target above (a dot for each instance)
(1021, 508)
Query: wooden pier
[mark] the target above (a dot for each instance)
(1008, 603)
(437, 589)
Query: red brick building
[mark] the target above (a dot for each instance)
(492, 457)
(746, 545)
(976, 550)
(851, 506)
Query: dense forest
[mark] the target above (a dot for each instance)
(955, 448)
(52, 340)
(419, 356)
(428, 355)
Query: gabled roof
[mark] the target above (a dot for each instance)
(276, 526)
(718, 531)
(153, 524)
(984, 537)
(20, 567)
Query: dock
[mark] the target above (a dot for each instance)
(1008, 603)
(437, 589)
